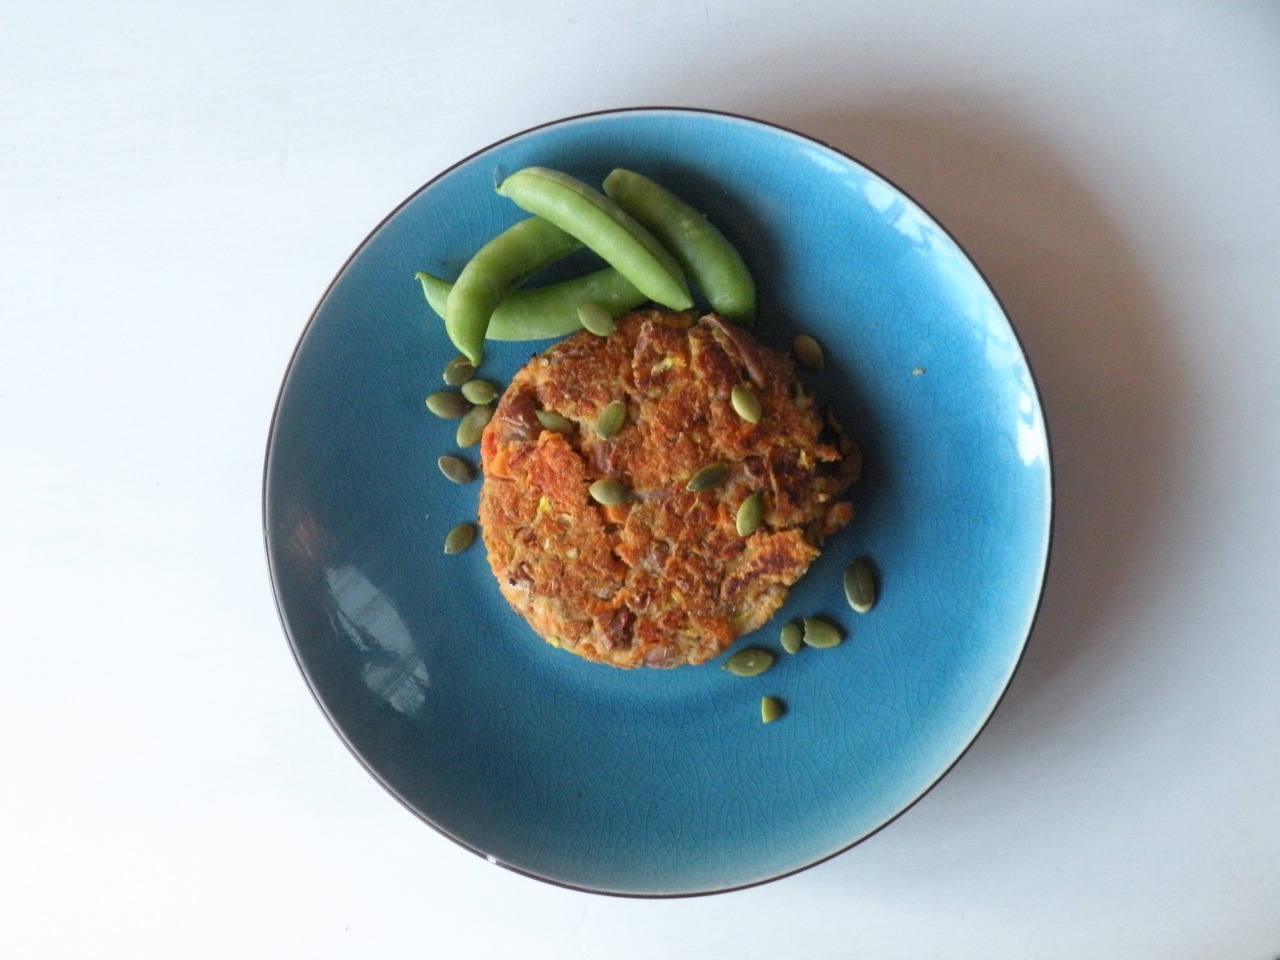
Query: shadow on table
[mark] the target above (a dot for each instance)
(1110, 375)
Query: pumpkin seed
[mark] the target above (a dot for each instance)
(609, 492)
(459, 538)
(750, 662)
(808, 351)
(820, 634)
(596, 319)
(750, 515)
(456, 469)
(611, 419)
(552, 421)
(472, 425)
(792, 637)
(709, 476)
(771, 708)
(448, 404)
(479, 391)
(746, 403)
(860, 585)
(458, 371)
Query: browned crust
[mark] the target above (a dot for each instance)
(664, 579)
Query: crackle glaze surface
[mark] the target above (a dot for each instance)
(665, 782)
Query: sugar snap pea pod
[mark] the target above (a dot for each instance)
(603, 226)
(497, 268)
(709, 260)
(539, 313)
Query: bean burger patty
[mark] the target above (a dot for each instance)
(664, 578)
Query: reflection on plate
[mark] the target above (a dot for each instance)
(659, 782)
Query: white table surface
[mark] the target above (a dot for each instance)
(180, 181)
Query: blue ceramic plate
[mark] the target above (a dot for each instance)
(659, 782)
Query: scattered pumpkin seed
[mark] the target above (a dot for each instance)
(609, 492)
(860, 585)
(479, 391)
(611, 419)
(459, 538)
(792, 637)
(771, 708)
(472, 425)
(458, 371)
(596, 319)
(750, 662)
(808, 351)
(552, 421)
(448, 404)
(750, 515)
(456, 469)
(746, 403)
(709, 476)
(820, 634)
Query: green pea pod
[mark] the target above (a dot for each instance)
(606, 228)
(540, 313)
(710, 261)
(497, 268)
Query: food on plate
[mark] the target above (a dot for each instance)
(750, 515)
(791, 637)
(458, 370)
(497, 268)
(749, 662)
(809, 351)
(541, 313)
(590, 216)
(479, 391)
(630, 548)
(456, 469)
(771, 709)
(655, 483)
(448, 404)
(648, 245)
(707, 258)
(471, 426)
(596, 319)
(860, 585)
(821, 634)
(745, 403)
(459, 538)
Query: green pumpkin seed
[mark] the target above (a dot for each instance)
(479, 391)
(746, 403)
(750, 515)
(750, 662)
(609, 492)
(458, 371)
(611, 419)
(552, 421)
(860, 585)
(820, 634)
(459, 538)
(456, 469)
(792, 637)
(471, 427)
(448, 404)
(596, 319)
(808, 351)
(709, 476)
(771, 708)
